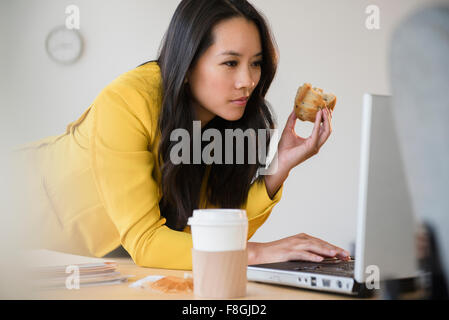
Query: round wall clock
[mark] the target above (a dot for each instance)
(64, 45)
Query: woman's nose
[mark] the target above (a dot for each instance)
(245, 79)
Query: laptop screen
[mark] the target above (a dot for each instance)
(385, 226)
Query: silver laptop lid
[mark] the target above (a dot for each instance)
(385, 225)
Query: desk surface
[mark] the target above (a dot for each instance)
(255, 290)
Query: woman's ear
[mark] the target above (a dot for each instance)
(186, 79)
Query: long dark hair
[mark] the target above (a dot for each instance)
(187, 38)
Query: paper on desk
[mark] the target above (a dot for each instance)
(49, 269)
(43, 258)
(141, 283)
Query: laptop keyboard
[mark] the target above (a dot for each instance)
(327, 266)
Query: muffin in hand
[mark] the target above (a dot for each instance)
(309, 100)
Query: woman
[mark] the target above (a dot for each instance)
(110, 180)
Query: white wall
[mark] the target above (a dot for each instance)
(323, 42)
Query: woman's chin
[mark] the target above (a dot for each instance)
(234, 116)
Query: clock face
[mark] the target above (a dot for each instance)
(64, 45)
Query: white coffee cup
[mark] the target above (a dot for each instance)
(219, 253)
(219, 229)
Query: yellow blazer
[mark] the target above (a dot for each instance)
(98, 185)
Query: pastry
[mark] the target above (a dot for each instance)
(172, 284)
(309, 100)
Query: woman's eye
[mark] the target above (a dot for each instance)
(230, 63)
(234, 63)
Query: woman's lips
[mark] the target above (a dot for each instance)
(240, 102)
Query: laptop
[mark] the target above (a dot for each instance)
(384, 248)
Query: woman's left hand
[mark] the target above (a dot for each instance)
(293, 149)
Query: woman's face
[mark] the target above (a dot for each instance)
(229, 70)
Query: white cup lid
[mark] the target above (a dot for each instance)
(218, 217)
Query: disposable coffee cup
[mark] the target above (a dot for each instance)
(219, 254)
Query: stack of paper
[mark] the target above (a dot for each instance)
(52, 269)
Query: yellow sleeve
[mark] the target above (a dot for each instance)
(124, 167)
(259, 205)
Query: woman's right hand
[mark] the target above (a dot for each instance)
(297, 247)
